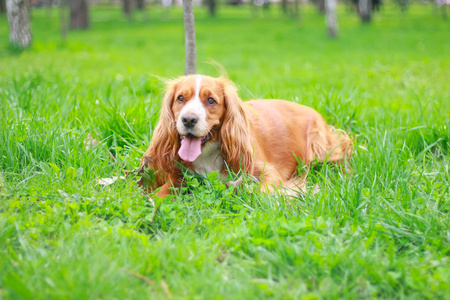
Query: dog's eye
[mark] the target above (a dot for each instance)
(211, 100)
(180, 99)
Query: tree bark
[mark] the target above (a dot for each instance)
(444, 12)
(331, 18)
(321, 6)
(2, 6)
(79, 14)
(63, 19)
(212, 5)
(365, 10)
(189, 35)
(140, 4)
(19, 22)
(127, 8)
(296, 9)
(284, 6)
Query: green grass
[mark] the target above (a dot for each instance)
(382, 231)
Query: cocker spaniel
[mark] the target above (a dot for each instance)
(205, 127)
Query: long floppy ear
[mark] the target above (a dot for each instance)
(234, 135)
(163, 147)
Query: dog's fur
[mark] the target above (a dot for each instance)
(262, 138)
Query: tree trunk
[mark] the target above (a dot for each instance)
(284, 6)
(444, 12)
(63, 18)
(331, 18)
(19, 22)
(140, 4)
(321, 6)
(49, 6)
(296, 9)
(2, 6)
(79, 14)
(189, 35)
(365, 10)
(212, 5)
(127, 8)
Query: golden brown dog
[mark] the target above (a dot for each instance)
(206, 127)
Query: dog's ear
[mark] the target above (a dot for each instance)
(164, 144)
(234, 135)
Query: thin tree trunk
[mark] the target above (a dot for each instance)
(284, 6)
(212, 5)
(365, 10)
(63, 19)
(189, 35)
(403, 5)
(331, 18)
(49, 5)
(79, 14)
(2, 6)
(19, 22)
(140, 4)
(127, 8)
(321, 6)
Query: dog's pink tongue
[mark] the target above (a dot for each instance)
(190, 148)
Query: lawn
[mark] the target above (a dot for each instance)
(380, 231)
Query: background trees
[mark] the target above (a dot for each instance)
(79, 14)
(19, 22)
(331, 17)
(211, 5)
(2, 6)
(365, 10)
(189, 35)
(127, 6)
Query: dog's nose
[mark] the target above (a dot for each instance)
(189, 120)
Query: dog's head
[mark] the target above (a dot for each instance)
(198, 110)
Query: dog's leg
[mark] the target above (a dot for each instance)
(237, 183)
(164, 191)
(173, 182)
(271, 179)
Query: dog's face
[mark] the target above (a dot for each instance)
(198, 108)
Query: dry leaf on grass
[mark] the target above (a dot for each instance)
(151, 201)
(90, 143)
(108, 181)
(166, 290)
(315, 190)
(142, 277)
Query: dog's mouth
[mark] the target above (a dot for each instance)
(204, 139)
(191, 146)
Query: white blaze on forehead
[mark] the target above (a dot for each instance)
(198, 85)
(195, 106)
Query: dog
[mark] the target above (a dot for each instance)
(205, 127)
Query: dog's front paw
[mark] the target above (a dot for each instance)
(236, 182)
